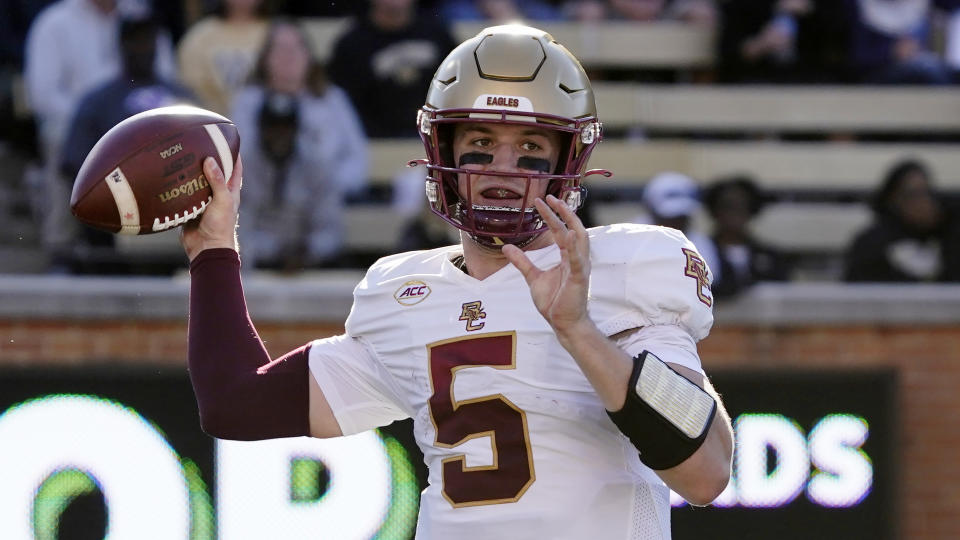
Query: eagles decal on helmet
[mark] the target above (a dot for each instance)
(510, 74)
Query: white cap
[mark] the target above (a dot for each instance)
(671, 194)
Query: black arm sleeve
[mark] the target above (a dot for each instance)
(241, 394)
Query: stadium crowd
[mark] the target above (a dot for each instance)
(70, 69)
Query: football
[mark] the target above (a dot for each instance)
(145, 175)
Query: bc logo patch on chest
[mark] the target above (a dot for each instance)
(473, 312)
(412, 292)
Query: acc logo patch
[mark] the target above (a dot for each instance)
(412, 292)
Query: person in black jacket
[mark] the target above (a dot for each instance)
(385, 62)
(732, 203)
(913, 237)
(782, 41)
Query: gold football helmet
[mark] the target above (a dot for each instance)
(510, 74)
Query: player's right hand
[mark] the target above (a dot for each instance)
(560, 292)
(217, 226)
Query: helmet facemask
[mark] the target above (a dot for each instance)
(449, 184)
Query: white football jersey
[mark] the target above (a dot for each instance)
(517, 443)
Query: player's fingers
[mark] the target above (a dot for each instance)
(236, 179)
(550, 217)
(518, 258)
(215, 176)
(570, 257)
(580, 241)
(568, 216)
(557, 225)
(578, 259)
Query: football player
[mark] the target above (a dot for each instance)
(551, 371)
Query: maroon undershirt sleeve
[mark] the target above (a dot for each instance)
(241, 394)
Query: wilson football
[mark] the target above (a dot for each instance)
(145, 175)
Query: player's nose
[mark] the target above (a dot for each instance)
(505, 158)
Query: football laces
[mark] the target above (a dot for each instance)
(177, 219)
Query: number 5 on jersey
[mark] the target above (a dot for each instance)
(493, 416)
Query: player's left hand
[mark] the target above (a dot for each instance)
(559, 293)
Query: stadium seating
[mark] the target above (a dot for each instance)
(780, 109)
(705, 131)
(781, 166)
(611, 44)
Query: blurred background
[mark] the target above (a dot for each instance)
(809, 148)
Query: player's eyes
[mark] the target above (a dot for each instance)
(481, 142)
(530, 146)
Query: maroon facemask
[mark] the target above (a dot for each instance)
(494, 226)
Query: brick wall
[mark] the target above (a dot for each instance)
(132, 342)
(927, 358)
(928, 362)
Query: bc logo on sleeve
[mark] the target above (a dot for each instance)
(697, 269)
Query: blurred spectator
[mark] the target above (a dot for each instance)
(951, 46)
(135, 89)
(499, 11)
(426, 231)
(782, 40)
(891, 41)
(385, 61)
(637, 10)
(17, 131)
(673, 199)
(913, 237)
(312, 8)
(741, 259)
(218, 52)
(17, 16)
(585, 10)
(303, 147)
(72, 47)
(171, 16)
(702, 12)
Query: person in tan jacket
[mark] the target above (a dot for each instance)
(217, 53)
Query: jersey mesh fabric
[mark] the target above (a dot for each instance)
(648, 522)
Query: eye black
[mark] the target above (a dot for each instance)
(534, 164)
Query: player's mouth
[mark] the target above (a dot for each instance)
(500, 193)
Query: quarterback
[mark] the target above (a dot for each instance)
(551, 371)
